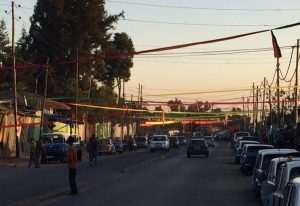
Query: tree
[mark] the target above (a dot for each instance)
(5, 57)
(199, 107)
(118, 70)
(61, 28)
(176, 105)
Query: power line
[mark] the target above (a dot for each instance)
(200, 8)
(197, 24)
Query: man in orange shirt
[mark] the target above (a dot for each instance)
(72, 164)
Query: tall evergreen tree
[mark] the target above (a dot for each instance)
(60, 28)
(5, 54)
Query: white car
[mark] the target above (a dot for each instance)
(159, 142)
(209, 140)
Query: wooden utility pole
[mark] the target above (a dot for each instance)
(263, 104)
(278, 94)
(14, 80)
(244, 116)
(77, 85)
(256, 109)
(141, 96)
(296, 85)
(296, 94)
(44, 98)
(253, 107)
(270, 105)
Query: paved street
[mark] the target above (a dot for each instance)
(134, 178)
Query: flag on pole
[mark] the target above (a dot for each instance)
(276, 48)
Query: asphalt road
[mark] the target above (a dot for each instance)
(135, 178)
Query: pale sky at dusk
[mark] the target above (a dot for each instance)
(167, 25)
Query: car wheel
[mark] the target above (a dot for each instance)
(207, 155)
(151, 150)
(188, 155)
(167, 150)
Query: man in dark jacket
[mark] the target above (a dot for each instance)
(72, 164)
(92, 148)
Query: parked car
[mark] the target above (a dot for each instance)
(288, 171)
(248, 158)
(131, 144)
(142, 142)
(182, 140)
(239, 150)
(55, 146)
(174, 142)
(106, 146)
(118, 145)
(209, 140)
(159, 142)
(239, 134)
(261, 168)
(249, 138)
(269, 185)
(292, 193)
(197, 146)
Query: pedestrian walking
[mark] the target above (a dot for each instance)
(32, 152)
(38, 153)
(79, 151)
(72, 164)
(92, 148)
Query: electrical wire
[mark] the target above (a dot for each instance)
(198, 24)
(291, 57)
(200, 8)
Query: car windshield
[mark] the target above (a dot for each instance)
(207, 138)
(159, 138)
(141, 139)
(104, 141)
(197, 142)
(255, 149)
(173, 139)
(53, 138)
(266, 162)
(250, 138)
(240, 134)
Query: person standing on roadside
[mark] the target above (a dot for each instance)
(92, 148)
(38, 153)
(72, 164)
(32, 151)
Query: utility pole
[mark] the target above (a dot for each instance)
(278, 93)
(77, 85)
(253, 109)
(296, 85)
(270, 105)
(141, 96)
(244, 116)
(256, 116)
(14, 80)
(263, 104)
(44, 98)
(123, 119)
(296, 94)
